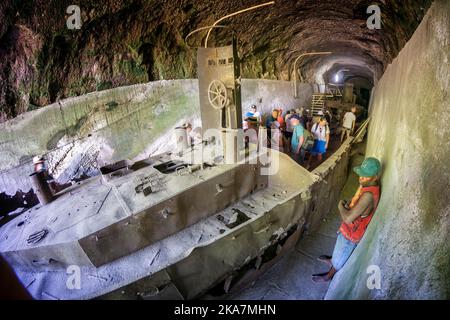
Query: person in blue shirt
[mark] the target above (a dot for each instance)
(273, 117)
(256, 114)
(297, 138)
(270, 119)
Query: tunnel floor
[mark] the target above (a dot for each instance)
(334, 144)
(290, 278)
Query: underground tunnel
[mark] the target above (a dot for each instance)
(232, 150)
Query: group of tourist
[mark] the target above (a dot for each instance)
(301, 134)
(297, 133)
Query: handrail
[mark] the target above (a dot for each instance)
(360, 130)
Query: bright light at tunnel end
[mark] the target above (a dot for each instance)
(336, 78)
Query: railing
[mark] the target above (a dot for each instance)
(359, 134)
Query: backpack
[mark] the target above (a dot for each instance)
(316, 126)
(308, 142)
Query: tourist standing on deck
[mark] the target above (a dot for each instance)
(348, 125)
(321, 133)
(355, 216)
(256, 113)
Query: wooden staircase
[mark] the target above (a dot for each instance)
(318, 99)
(318, 102)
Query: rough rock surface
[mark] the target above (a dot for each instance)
(409, 237)
(84, 133)
(124, 42)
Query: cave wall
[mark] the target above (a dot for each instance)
(124, 42)
(409, 236)
(86, 132)
(269, 94)
(81, 134)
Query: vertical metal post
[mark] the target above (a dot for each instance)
(41, 187)
(237, 85)
(181, 138)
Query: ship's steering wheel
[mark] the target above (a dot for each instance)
(217, 94)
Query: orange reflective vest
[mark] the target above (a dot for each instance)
(354, 231)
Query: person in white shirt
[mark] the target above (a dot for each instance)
(321, 133)
(256, 114)
(348, 125)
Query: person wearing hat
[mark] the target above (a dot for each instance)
(280, 118)
(348, 124)
(356, 216)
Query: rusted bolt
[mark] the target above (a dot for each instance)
(165, 213)
(219, 188)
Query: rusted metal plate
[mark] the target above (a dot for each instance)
(236, 249)
(172, 215)
(158, 286)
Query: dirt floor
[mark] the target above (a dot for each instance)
(333, 145)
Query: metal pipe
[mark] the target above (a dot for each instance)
(41, 187)
(204, 28)
(295, 66)
(181, 138)
(359, 132)
(236, 13)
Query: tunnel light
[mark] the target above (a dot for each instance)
(336, 77)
